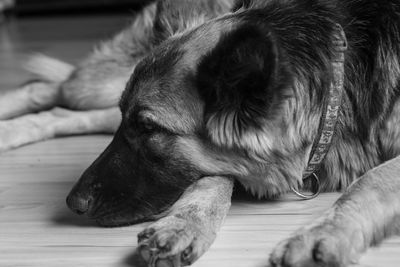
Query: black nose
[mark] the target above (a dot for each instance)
(78, 203)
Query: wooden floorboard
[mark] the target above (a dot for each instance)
(36, 228)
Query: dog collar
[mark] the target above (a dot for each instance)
(329, 117)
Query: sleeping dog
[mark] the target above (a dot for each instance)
(278, 95)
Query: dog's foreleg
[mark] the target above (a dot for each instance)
(37, 95)
(191, 226)
(56, 122)
(366, 213)
(32, 97)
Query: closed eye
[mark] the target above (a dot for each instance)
(146, 124)
(144, 120)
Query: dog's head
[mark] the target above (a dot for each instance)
(227, 98)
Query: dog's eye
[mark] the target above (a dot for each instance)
(146, 124)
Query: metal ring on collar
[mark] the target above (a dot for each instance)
(311, 196)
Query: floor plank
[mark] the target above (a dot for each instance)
(36, 229)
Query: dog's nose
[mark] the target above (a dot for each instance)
(79, 204)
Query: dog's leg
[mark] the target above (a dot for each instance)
(56, 122)
(366, 213)
(32, 97)
(96, 83)
(36, 95)
(190, 228)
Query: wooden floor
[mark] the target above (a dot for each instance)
(36, 229)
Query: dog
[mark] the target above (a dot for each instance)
(278, 95)
(70, 100)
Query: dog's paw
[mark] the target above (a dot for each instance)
(173, 242)
(325, 245)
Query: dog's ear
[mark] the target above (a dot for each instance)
(243, 78)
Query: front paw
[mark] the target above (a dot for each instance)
(323, 245)
(173, 242)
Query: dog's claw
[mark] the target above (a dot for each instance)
(186, 253)
(153, 250)
(145, 234)
(326, 244)
(150, 256)
(186, 256)
(172, 242)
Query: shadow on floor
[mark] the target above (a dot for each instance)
(134, 260)
(241, 195)
(66, 217)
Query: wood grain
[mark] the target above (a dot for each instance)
(36, 229)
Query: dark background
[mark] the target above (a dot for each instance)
(59, 7)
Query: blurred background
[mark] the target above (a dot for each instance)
(64, 29)
(42, 7)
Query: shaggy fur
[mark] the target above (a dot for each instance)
(241, 96)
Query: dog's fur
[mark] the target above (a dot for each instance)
(238, 96)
